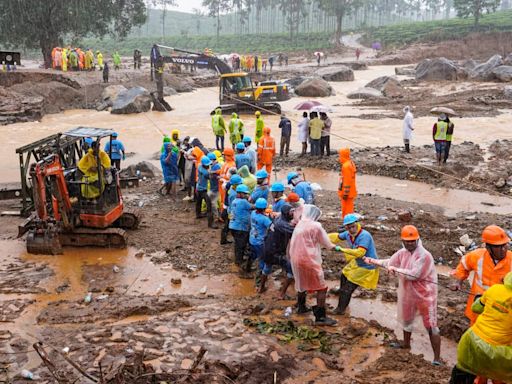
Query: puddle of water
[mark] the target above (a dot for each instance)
(452, 201)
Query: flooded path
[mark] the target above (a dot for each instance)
(142, 133)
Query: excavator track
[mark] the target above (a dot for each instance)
(129, 220)
(89, 237)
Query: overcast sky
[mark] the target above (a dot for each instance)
(187, 5)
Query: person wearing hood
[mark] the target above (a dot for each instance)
(213, 192)
(407, 128)
(241, 158)
(357, 272)
(248, 178)
(94, 184)
(306, 260)
(202, 189)
(439, 132)
(169, 163)
(301, 187)
(485, 349)
(117, 60)
(236, 129)
(219, 129)
(260, 124)
(417, 288)
(347, 191)
(99, 58)
(276, 250)
(266, 151)
(230, 186)
(175, 136)
(261, 189)
(224, 175)
(250, 152)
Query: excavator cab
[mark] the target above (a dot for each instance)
(73, 206)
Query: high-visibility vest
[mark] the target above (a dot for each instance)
(217, 129)
(441, 128)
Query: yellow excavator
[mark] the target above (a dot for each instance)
(237, 93)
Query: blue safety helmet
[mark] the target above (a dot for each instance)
(88, 140)
(291, 176)
(114, 134)
(240, 146)
(277, 187)
(261, 203)
(247, 139)
(242, 189)
(212, 156)
(235, 180)
(216, 167)
(350, 219)
(205, 161)
(261, 174)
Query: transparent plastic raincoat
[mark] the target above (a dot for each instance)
(417, 286)
(305, 251)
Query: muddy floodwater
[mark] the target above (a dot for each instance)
(142, 133)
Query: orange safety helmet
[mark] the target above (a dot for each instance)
(266, 130)
(495, 235)
(292, 198)
(410, 233)
(228, 151)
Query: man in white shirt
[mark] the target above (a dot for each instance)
(407, 128)
(303, 132)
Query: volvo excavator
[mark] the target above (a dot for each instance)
(62, 215)
(237, 93)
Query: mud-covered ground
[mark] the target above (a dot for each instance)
(469, 166)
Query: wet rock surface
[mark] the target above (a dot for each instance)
(438, 69)
(133, 100)
(336, 73)
(315, 87)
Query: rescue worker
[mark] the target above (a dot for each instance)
(99, 58)
(230, 194)
(315, 133)
(489, 265)
(266, 151)
(137, 59)
(275, 250)
(249, 151)
(407, 128)
(94, 183)
(325, 139)
(169, 163)
(449, 138)
(261, 224)
(115, 149)
(213, 192)
(105, 73)
(278, 197)
(235, 129)
(303, 132)
(286, 132)
(261, 190)
(224, 175)
(202, 189)
(301, 187)
(306, 260)
(485, 349)
(219, 129)
(117, 60)
(64, 62)
(241, 158)
(417, 288)
(259, 127)
(439, 131)
(240, 222)
(347, 190)
(248, 178)
(357, 273)
(175, 136)
(89, 60)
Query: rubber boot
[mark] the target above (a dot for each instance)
(321, 318)
(407, 148)
(262, 283)
(301, 303)
(248, 265)
(343, 302)
(211, 224)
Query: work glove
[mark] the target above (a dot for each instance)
(337, 248)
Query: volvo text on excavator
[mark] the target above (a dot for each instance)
(237, 93)
(73, 207)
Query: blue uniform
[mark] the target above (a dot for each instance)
(202, 180)
(170, 170)
(214, 178)
(260, 191)
(276, 207)
(251, 153)
(260, 224)
(305, 192)
(240, 209)
(230, 196)
(242, 159)
(117, 147)
(364, 240)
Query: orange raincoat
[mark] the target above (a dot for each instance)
(347, 190)
(266, 151)
(229, 162)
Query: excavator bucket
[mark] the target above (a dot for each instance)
(43, 242)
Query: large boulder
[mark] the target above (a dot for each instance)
(438, 69)
(405, 71)
(111, 92)
(336, 73)
(470, 64)
(508, 92)
(365, 93)
(503, 73)
(484, 72)
(133, 100)
(388, 85)
(315, 87)
(142, 169)
(508, 60)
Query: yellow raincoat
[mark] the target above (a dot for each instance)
(88, 166)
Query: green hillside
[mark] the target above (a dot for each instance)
(439, 30)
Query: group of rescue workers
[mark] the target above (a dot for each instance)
(276, 225)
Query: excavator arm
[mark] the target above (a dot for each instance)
(197, 59)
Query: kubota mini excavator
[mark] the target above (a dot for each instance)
(63, 216)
